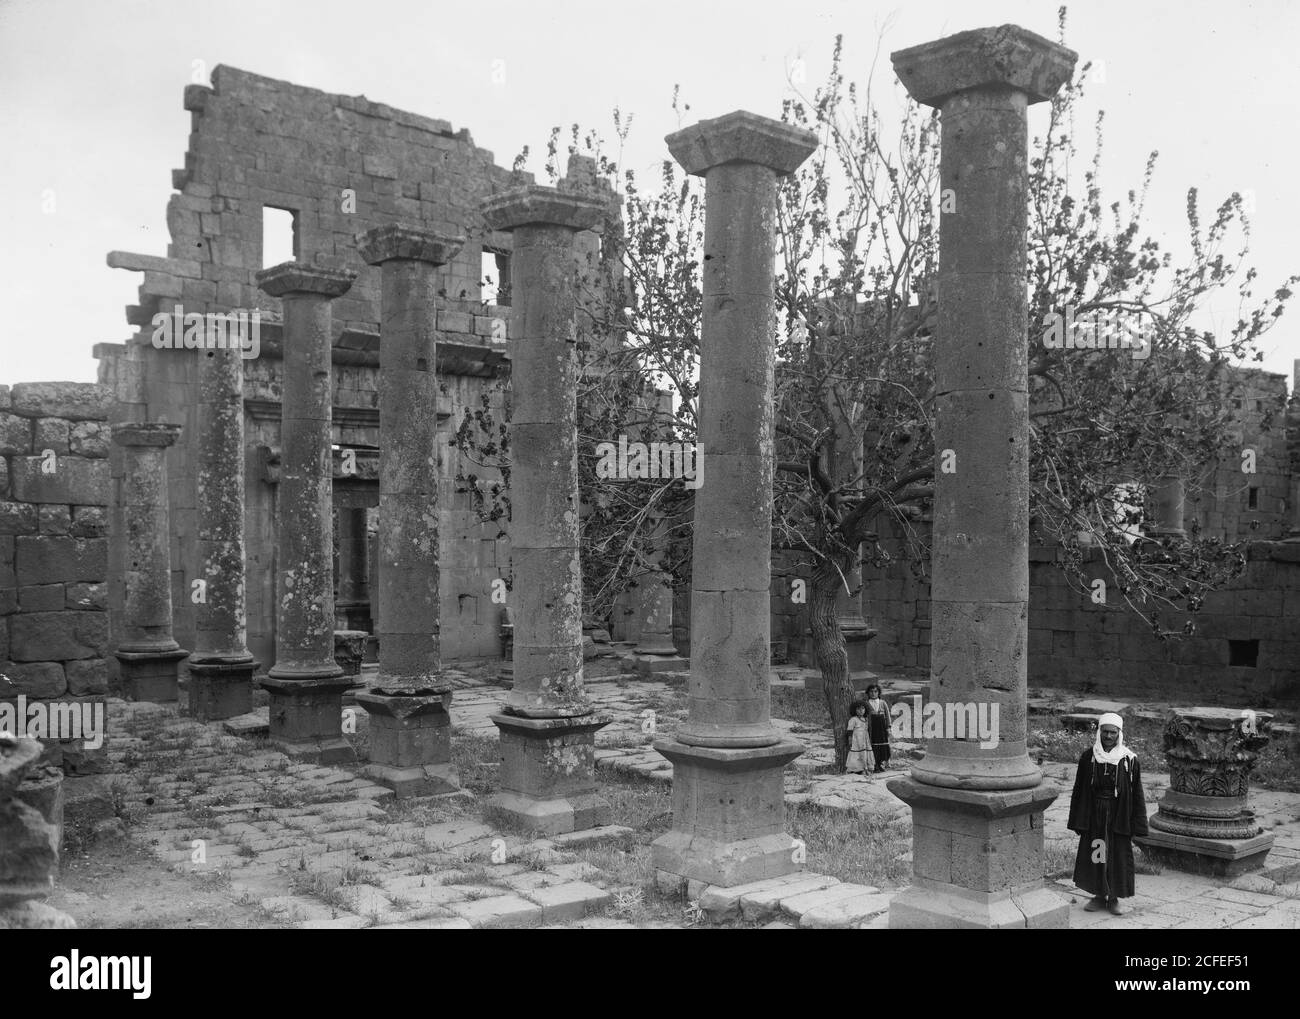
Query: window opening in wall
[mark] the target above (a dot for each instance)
(1243, 653)
(1252, 498)
(279, 236)
(496, 277)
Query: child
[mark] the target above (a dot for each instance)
(857, 760)
(878, 725)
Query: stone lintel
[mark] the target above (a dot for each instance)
(1007, 56)
(741, 137)
(145, 433)
(394, 241)
(986, 804)
(535, 205)
(299, 278)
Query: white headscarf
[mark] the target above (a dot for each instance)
(1121, 752)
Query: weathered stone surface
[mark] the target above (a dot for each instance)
(35, 679)
(1007, 57)
(46, 560)
(741, 137)
(89, 438)
(73, 480)
(54, 519)
(50, 433)
(89, 522)
(86, 596)
(77, 401)
(15, 435)
(87, 676)
(41, 598)
(32, 915)
(58, 636)
(847, 913)
(18, 518)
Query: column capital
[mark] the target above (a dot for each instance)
(145, 433)
(394, 241)
(299, 278)
(535, 205)
(1007, 56)
(741, 137)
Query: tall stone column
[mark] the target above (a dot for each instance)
(977, 804)
(728, 760)
(1293, 453)
(305, 684)
(408, 701)
(148, 653)
(548, 727)
(1170, 504)
(352, 601)
(655, 651)
(221, 668)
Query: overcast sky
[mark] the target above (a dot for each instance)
(90, 108)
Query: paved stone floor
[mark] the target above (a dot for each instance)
(323, 847)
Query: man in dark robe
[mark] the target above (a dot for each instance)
(1107, 809)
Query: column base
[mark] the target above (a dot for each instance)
(548, 773)
(151, 675)
(977, 859)
(1199, 855)
(728, 815)
(410, 742)
(221, 688)
(306, 718)
(647, 666)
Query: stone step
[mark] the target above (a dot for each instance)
(794, 907)
(763, 905)
(849, 912)
(722, 903)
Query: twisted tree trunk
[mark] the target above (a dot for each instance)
(831, 654)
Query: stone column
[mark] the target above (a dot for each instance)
(31, 815)
(305, 684)
(548, 727)
(221, 668)
(655, 651)
(352, 602)
(1293, 452)
(148, 654)
(728, 760)
(408, 700)
(1169, 508)
(977, 804)
(1203, 824)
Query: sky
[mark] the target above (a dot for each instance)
(91, 122)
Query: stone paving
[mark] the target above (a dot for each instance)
(323, 847)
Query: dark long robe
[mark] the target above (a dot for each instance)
(1113, 820)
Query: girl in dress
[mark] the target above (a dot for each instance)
(857, 759)
(878, 725)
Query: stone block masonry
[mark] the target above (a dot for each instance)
(54, 490)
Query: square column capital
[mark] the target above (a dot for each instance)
(299, 278)
(394, 241)
(1007, 56)
(535, 205)
(741, 137)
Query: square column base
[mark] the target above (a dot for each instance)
(151, 675)
(307, 719)
(221, 689)
(977, 859)
(548, 773)
(1198, 855)
(728, 815)
(410, 742)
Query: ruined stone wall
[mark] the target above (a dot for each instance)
(1074, 643)
(341, 165)
(54, 490)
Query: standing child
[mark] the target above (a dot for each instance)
(857, 760)
(878, 725)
